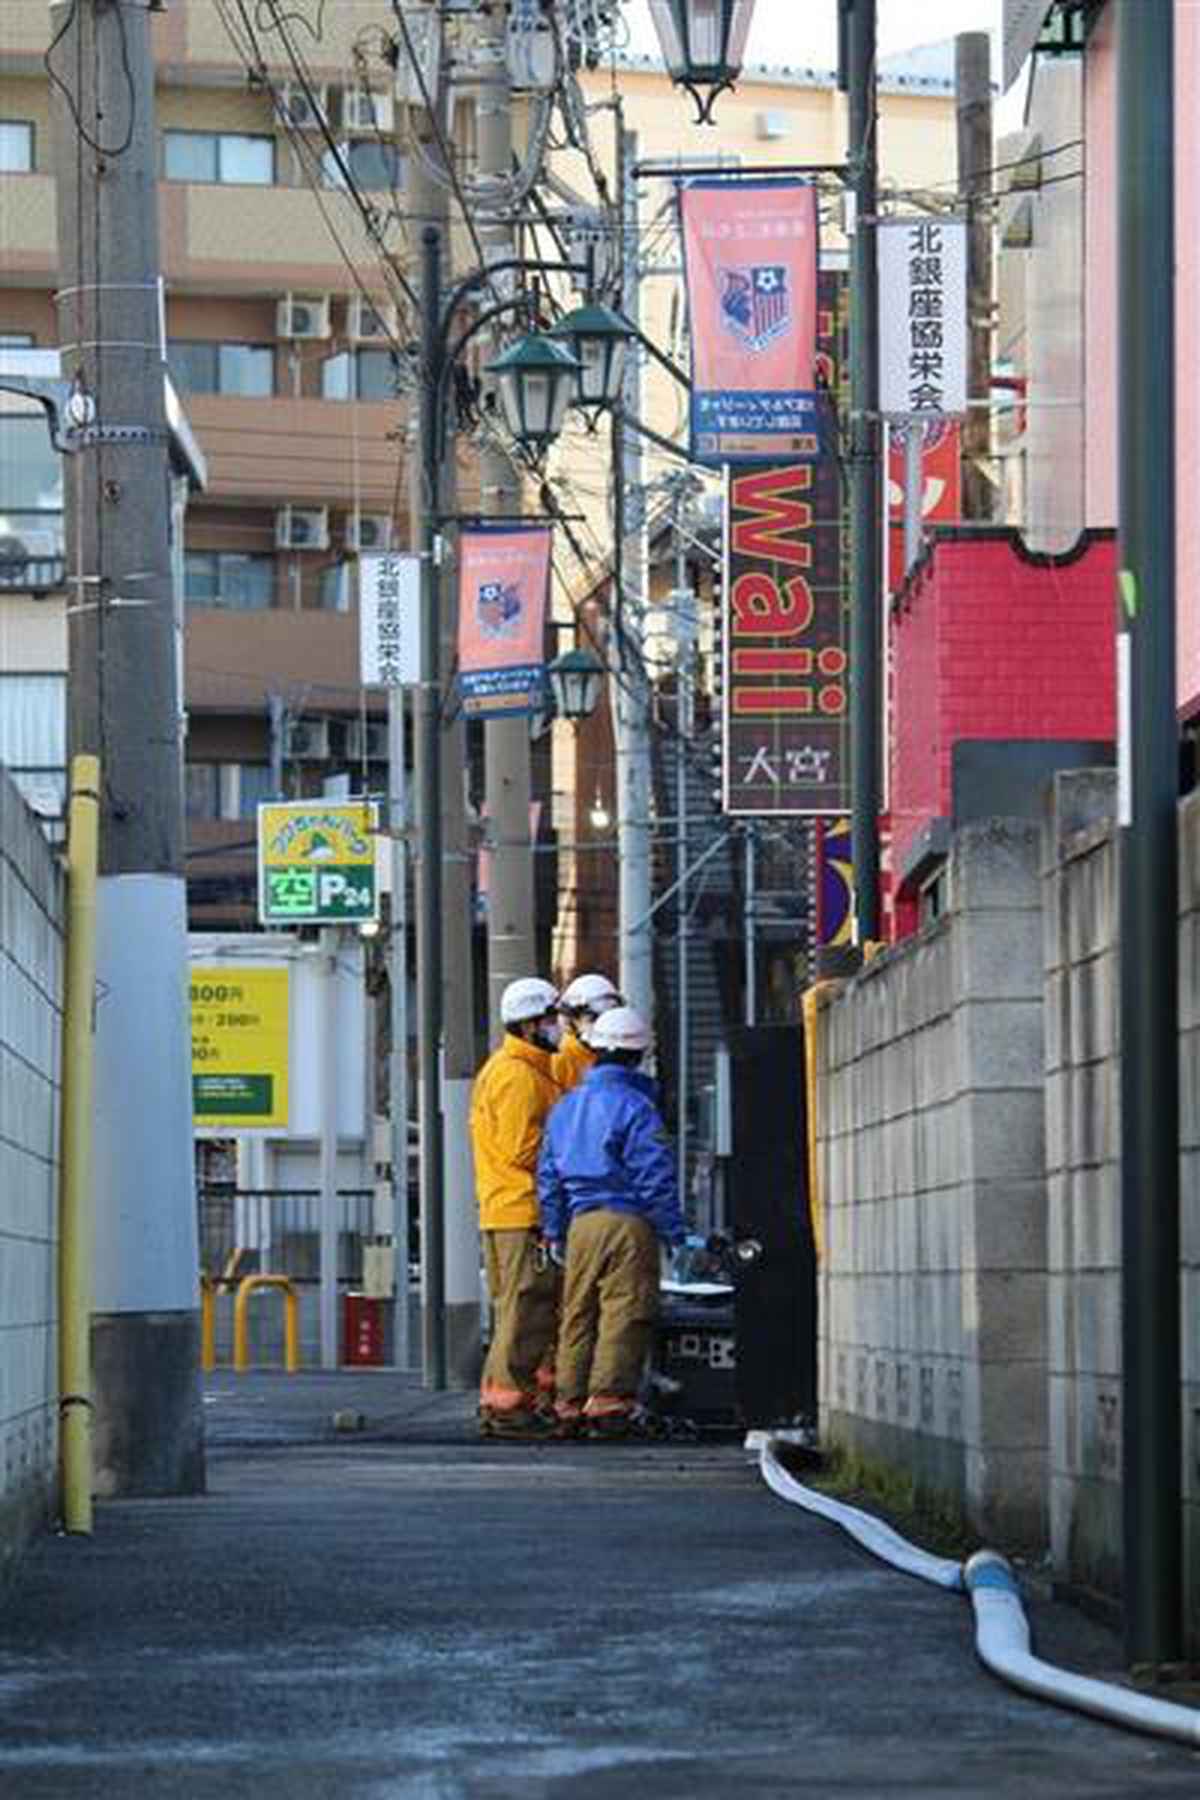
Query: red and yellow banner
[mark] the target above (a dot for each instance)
(750, 258)
(503, 584)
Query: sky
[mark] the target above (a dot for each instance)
(805, 31)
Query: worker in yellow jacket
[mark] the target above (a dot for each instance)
(583, 1000)
(513, 1093)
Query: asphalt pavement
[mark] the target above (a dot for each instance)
(397, 1609)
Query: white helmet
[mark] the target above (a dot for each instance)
(589, 993)
(620, 1028)
(527, 998)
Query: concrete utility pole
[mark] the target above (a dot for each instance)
(450, 1268)
(973, 107)
(1148, 818)
(512, 950)
(124, 706)
(631, 709)
(858, 27)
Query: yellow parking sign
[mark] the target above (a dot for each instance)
(240, 1037)
(316, 862)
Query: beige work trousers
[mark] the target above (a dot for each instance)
(520, 1362)
(609, 1306)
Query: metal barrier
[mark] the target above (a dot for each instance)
(291, 1306)
(278, 1230)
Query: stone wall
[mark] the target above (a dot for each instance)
(930, 1126)
(31, 961)
(1084, 1183)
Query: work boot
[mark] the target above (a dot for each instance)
(524, 1423)
(606, 1427)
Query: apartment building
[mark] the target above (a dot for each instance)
(282, 340)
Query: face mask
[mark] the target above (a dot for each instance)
(548, 1035)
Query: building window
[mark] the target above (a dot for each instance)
(254, 788)
(220, 156)
(236, 580)
(375, 167)
(359, 375)
(334, 587)
(31, 525)
(211, 368)
(202, 790)
(16, 147)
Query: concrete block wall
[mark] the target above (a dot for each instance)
(31, 971)
(1189, 1142)
(931, 1142)
(1083, 1179)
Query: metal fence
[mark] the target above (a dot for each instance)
(277, 1231)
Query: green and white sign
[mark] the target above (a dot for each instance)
(316, 862)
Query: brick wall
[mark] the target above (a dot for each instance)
(31, 914)
(991, 642)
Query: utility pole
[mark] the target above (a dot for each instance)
(1148, 821)
(511, 943)
(858, 74)
(631, 712)
(973, 108)
(685, 628)
(124, 706)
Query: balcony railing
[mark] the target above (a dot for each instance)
(32, 574)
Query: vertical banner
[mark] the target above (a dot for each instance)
(922, 316)
(786, 732)
(750, 262)
(503, 584)
(941, 484)
(389, 619)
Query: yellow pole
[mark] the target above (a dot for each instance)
(74, 1215)
(208, 1324)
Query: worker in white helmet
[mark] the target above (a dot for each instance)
(582, 1002)
(609, 1196)
(513, 1093)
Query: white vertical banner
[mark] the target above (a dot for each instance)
(922, 316)
(389, 619)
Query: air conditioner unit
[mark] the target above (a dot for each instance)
(366, 112)
(367, 740)
(303, 108)
(302, 318)
(368, 531)
(371, 321)
(307, 740)
(425, 34)
(302, 528)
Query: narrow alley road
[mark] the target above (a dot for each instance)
(409, 1613)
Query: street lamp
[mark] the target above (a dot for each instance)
(575, 680)
(597, 338)
(703, 44)
(536, 379)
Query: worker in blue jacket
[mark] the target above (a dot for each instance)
(608, 1196)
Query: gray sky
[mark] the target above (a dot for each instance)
(805, 32)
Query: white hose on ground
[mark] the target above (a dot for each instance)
(870, 1532)
(1001, 1629)
(1002, 1645)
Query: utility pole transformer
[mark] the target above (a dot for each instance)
(124, 706)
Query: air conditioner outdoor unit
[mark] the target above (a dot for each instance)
(367, 112)
(302, 318)
(368, 531)
(367, 740)
(304, 109)
(302, 528)
(371, 321)
(307, 740)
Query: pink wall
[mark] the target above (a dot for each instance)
(1100, 311)
(991, 643)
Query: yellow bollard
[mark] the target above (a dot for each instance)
(291, 1321)
(208, 1323)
